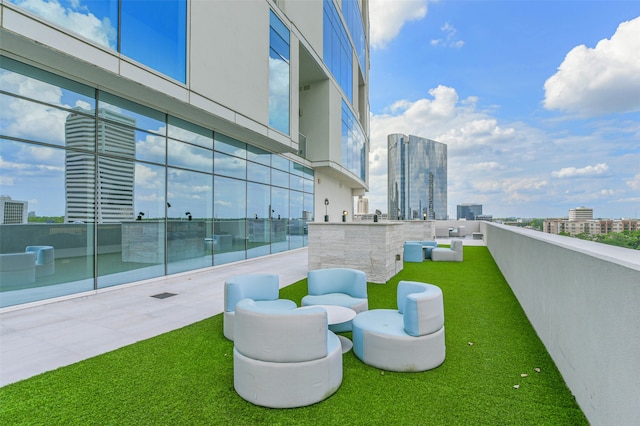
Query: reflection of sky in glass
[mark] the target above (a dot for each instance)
(279, 75)
(145, 118)
(189, 156)
(152, 33)
(229, 196)
(229, 145)
(279, 203)
(189, 192)
(188, 132)
(96, 20)
(229, 166)
(279, 178)
(155, 34)
(258, 173)
(149, 191)
(258, 155)
(257, 201)
(35, 174)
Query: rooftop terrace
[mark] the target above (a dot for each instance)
(187, 374)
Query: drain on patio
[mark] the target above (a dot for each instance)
(163, 295)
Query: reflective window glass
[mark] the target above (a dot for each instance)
(189, 157)
(96, 20)
(258, 173)
(296, 182)
(279, 178)
(34, 208)
(229, 232)
(279, 219)
(155, 34)
(296, 224)
(354, 150)
(189, 220)
(188, 132)
(229, 145)
(229, 166)
(258, 219)
(337, 51)
(123, 111)
(280, 163)
(279, 71)
(141, 252)
(258, 155)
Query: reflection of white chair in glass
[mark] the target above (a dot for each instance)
(264, 289)
(45, 260)
(17, 269)
(284, 358)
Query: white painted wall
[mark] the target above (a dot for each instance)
(339, 196)
(583, 299)
(229, 55)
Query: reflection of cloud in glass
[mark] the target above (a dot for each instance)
(279, 95)
(147, 178)
(29, 120)
(74, 17)
(150, 147)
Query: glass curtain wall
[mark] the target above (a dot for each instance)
(118, 192)
(154, 36)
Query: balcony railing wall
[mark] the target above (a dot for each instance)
(583, 299)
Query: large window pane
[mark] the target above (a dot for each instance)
(258, 222)
(189, 132)
(297, 224)
(229, 145)
(96, 20)
(279, 71)
(229, 237)
(188, 156)
(229, 166)
(258, 173)
(64, 251)
(155, 34)
(189, 218)
(279, 219)
(141, 252)
(279, 178)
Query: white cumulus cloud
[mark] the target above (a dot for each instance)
(569, 172)
(387, 17)
(600, 80)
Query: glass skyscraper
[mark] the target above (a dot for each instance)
(417, 178)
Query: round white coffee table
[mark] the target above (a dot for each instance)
(337, 315)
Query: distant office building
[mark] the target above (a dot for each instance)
(469, 211)
(594, 226)
(485, 217)
(13, 211)
(581, 213)
(363, 205)
(417, 178)
(581, 222)
(116, 135)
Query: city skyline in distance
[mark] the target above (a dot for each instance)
(540, 113)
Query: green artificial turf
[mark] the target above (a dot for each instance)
(185, 377)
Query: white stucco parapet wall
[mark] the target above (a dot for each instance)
(374, 248)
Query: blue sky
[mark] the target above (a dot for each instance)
(537, 101)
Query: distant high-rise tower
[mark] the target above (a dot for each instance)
(363, 205)
(12, 211)
(581, 213)
(469, 211)
(115, 176)
(417, 178)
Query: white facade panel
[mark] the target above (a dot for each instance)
(229, 55)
